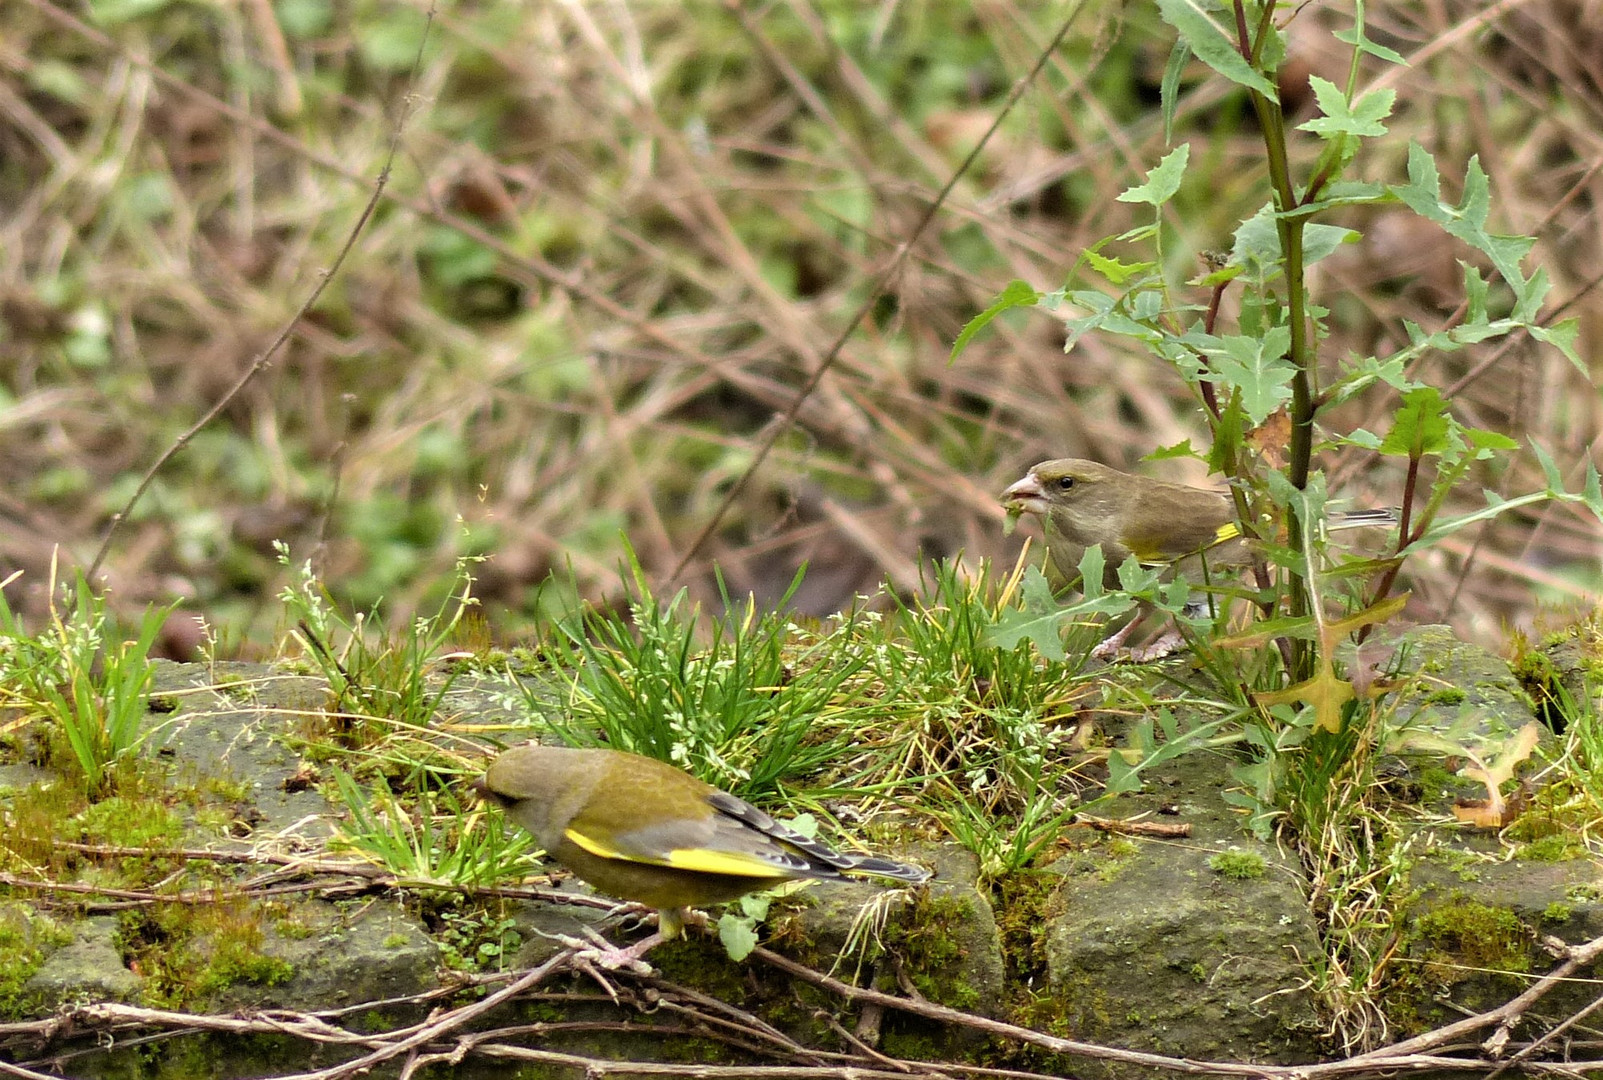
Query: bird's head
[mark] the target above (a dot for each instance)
(1061, 482)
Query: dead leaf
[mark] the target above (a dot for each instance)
(1271, 438)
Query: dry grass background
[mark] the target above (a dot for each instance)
(620, 236)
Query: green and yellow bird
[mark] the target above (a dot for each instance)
(1163, 524)
(639, 829)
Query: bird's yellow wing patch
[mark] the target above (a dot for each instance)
(701, 860)
(723, 862)
(1152, 555)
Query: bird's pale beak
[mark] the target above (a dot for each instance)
(1026, 496)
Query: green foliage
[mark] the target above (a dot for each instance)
(1477, 936)
(1145, 751)
(1269, 367)
(25, 935)
(1006, 841)
(473, 939)
(737, 926)
(1309, 705)
(375, 674)
(82, 676)
(189, 953)
(743, 709)
(430, 840)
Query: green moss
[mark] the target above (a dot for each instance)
(1555, 847)
(189, 953)
(1465, 865)
(239, 688)
(32, 824)
(291, 924)
(1024, 910)
(26, 936)
(238, 961)
(1557, 912)
(1476, 935)
(1450, 695)
(1459, 948)
(1437, 783)
(929, 944)
(1238, 865)
(1117, 853)
(701, 962)
(127, 822)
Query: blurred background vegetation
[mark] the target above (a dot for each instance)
(619, 237)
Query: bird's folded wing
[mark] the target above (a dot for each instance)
(1180, 542)
(712, 845)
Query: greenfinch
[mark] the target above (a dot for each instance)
(642, 830)
(1162, 524)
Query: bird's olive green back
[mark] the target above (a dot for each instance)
(642, 798)
(1154, 520)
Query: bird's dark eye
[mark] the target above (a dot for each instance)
(1065, 483)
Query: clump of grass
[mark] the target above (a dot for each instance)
(745, 701)
(430, 838)
(81, 676)
(377, 678)
(982, 732)
(1356, 861)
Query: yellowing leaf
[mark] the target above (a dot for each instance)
(1324, 692)
(1494, 813)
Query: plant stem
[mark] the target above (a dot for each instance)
(1271, 120)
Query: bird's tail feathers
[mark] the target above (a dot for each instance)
(1380, 516)
(878, 867)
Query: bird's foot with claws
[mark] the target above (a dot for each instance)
(602, 953)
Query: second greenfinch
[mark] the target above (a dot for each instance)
(637, 828)
(1162, 524)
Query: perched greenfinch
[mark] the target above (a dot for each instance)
(642, 830)
(1162, 524)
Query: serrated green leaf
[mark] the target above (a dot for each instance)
(1467, 220)
(1591, 493)
(1354, 37)
(1550, 469)
(1361, 120)
(1255, 366)
(1420, 426)
(1036, 620)
(1319, 241)
(1181, 449)
(1138, 579)
(1475, 288)
(1092, 569)
(1487, 442)
(1015, 294)
(1213, 43)
(1163, 181)
(1563, 337)
(1528, 296)
(1257, 242)
(1113, 270)
(1123, 778)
